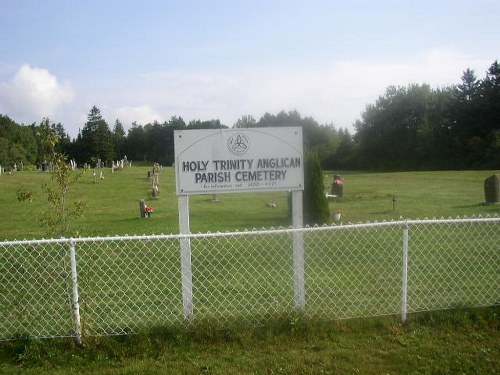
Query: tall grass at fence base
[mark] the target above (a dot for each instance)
(447, 342)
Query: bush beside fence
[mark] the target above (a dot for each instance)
(117, 285)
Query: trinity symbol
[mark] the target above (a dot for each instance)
(238, 144)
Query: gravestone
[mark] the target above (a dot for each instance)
(142, 208)
(492, 189)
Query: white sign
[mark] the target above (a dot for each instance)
(238, 160)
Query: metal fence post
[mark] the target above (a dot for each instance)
(75, 302)
(298, 252)
(186, 269)
(404, 287)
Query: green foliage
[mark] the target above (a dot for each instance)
(25, 195)
(292, 345)
(56, 216)
(16, 143)
(119, 139)
(315, 202)
(415, 127)
(95, 140)
(153, 142)
(27, 144)
(245, 121)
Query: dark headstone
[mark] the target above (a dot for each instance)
(492, 189)
(142, 208)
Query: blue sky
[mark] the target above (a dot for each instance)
(150, 60)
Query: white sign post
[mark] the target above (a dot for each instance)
(211, 161)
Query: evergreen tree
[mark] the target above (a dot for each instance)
(96, 138)
(119, 139)
(135, 145)
(316, 209)
(490, 119)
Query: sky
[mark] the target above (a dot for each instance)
(149, 60)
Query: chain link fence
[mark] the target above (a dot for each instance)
(118, 285)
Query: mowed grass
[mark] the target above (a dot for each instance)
(462, 341)
(112, 206)
(412, 195)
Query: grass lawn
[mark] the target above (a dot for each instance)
(112, 206)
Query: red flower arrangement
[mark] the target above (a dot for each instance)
(149, 210)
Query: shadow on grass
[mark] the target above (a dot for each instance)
(476, 205)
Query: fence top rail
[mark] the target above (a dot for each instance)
(281, 230)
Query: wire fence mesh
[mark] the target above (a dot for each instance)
(123, 284)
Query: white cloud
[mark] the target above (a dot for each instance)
(330, 92)
(336, 91)
(142, 115)
(33, 93)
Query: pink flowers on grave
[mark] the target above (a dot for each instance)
(338, 182)
(149, 210)
(338, 186)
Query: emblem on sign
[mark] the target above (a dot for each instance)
(238, 144)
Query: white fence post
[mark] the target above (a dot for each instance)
(75, 302)
(404, 286)
(298, 251)
(186, 270)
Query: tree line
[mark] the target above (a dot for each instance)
(416, 127)
(407, 128)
